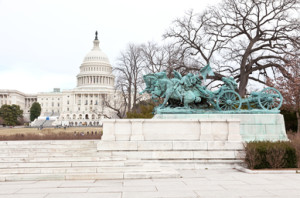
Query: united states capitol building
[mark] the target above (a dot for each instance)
(83, 105)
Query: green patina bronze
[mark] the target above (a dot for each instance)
(186, 95)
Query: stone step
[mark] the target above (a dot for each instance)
(49, 154)
(102, 163)
(169, 145)
(166, 173)
(194, 164)
(52, 170)
(51, 146)
(96, 158)
(49, 142)
(52, 159)
(44, 150)
(144, 155)
(47, 145)
(184, 155)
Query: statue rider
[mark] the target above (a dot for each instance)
(186, 81)
(229, 83)
(196, 82)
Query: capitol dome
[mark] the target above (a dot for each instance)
(95, 71)
(96, 54)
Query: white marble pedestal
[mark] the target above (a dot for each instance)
(184, 143)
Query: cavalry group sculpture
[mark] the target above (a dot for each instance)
(187, 92)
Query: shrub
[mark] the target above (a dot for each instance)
(266, 154)
(252, 158)
(142, 110)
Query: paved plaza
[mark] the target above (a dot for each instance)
(225, 183)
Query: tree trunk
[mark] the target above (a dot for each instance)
(298, 123)
(129, 97)
(135, 96)
(244, 75)
(243, 84)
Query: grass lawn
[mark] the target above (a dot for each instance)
(50, 133)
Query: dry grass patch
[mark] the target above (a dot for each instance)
(51, 133)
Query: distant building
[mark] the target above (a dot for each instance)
(25, 101)
(83, 105)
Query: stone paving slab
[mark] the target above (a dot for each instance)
(216, 183)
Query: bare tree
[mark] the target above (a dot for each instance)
(129, 74)
(190, 33)
(247, 38)
(289, 87)
(117, 104)
(166, 57)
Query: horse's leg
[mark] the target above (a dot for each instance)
(186, 101)
(178, 94)
(163, 105)
(188, 98)
(166, 99)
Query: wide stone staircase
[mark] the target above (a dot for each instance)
(70, 160)
(178, 154)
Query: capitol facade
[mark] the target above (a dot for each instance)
(83, 105)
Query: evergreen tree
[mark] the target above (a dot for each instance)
(10, 114)
(35, 111)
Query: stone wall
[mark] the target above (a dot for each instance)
(253, 127)
(171, 130)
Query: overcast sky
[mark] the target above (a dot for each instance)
(43, 43)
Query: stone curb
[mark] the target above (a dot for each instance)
(249, 171)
